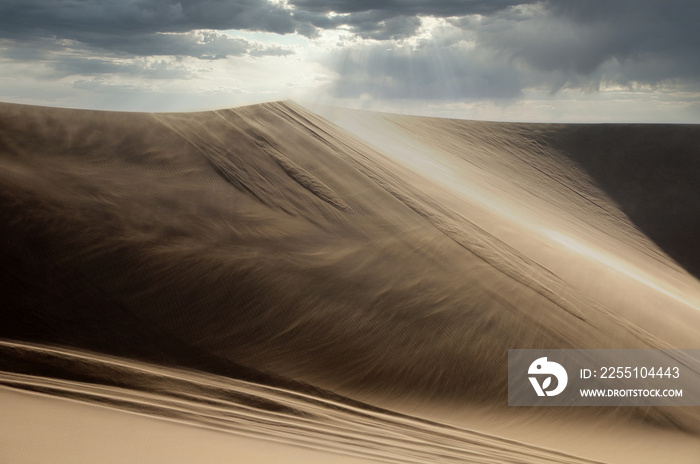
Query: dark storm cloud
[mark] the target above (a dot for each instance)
(380, 26)
(92, 21)
(550, 45)
(97, 37)
(513, 44)
(83, 19)
(387, 19)
(423, 73)
(645, 41)
(437, 8)
(569, 36)
(111, 28)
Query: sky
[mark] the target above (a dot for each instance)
(565, 60)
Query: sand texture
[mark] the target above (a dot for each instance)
(326, 285)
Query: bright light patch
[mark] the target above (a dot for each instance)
(620, 266)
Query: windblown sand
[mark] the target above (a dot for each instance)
(275, 284)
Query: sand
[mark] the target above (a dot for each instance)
(325, 284)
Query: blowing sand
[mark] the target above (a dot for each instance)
(334, 285)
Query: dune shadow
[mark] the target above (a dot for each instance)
(652, 172)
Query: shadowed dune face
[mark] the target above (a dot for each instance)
(319, 267)
(398, 259)
(652, 174)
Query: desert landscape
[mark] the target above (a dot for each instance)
(288, 283)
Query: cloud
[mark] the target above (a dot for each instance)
(564, 40)
(430, 71)
(387, 19)
(379, 26)
(468, 50)
(86, 19)
(436, 8)
(499, 54)
(144, 27)
(91, 21)
(202, 44)
(147, 68)
(619, 42)
(156, 56)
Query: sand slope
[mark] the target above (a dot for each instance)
(387, 259)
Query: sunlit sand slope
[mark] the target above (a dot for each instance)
(386, 259)
(274, 414)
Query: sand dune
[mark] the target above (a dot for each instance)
(348, 283)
